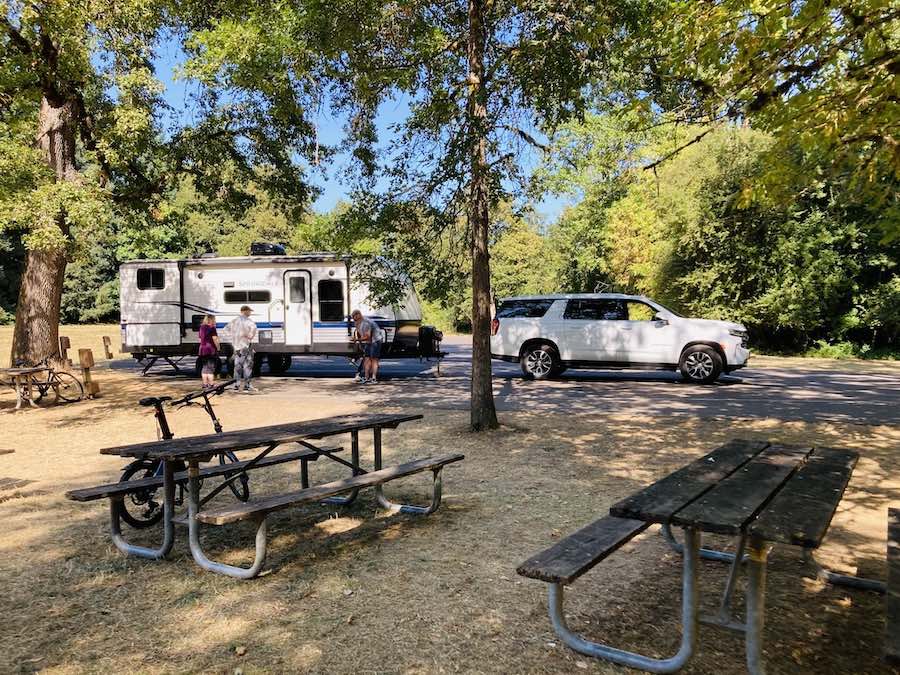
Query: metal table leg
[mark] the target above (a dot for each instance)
(354, 458)
(23, 391)
(724, 617)
(115, 511)
(386, 503)
(756, 606)
(705, 553)
(689, 599)
(847, 580)
(194, 534)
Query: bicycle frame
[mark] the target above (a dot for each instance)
(162, 421)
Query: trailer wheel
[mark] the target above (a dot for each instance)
(279, 363)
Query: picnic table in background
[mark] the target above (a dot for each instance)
(41, 377)
(20, 380)
(760, 493)
(195, 449)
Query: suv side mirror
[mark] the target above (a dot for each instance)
(661, 320)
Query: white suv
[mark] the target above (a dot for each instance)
(550, 333)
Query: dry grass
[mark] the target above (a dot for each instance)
(88, 336)
(357, 591)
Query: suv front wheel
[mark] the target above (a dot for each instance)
(700, 364)
(539, 362)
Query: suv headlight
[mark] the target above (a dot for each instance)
(742, 334)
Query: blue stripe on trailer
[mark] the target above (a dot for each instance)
(384, 323)
(259, 324)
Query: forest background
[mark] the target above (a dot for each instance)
(740, 217)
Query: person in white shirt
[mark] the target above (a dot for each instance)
(243, 333)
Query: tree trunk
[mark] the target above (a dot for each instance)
(36, 334)
(483, 414)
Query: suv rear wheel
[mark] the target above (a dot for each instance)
(539, 362)
(700, 364)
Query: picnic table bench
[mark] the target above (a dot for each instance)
(195, 449)
(760, 493)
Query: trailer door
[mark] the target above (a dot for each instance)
(297, 308)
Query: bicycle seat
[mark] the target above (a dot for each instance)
(153, 400)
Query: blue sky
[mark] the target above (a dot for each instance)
(329, 178)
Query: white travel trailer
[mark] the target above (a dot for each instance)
(301, 305)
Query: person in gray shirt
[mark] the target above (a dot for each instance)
(372, 337)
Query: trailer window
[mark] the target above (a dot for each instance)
(331, 300)
(241, 297)
(298, 289)
(151, 278)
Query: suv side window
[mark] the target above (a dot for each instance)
(596, 310)
(523, 309)
(639, 311)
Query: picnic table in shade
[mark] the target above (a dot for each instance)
(20, 380)
(760, 493)
(195, 449)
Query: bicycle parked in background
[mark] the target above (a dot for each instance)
(66, 386)
(141, 507)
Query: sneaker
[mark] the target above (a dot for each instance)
(250, 389)
(371, 380)
(359, 379)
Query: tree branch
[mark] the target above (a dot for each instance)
(674, 152)
(16, 37)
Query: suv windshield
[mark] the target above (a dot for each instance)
(523, 309)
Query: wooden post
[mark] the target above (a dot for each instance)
(64, 346)
(106, 344)
(86, 361)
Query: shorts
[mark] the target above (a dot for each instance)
(372, 350)
(208, 364)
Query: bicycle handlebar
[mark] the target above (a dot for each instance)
(214, 391)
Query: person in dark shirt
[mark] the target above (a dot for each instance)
(209, 350)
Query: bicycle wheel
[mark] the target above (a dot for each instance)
(41, 387)
(241, 486)
(140, 508)
(67, 387)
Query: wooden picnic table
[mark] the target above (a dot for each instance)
(759, 493)
(21, 382)
(195, 449)
(207, 445)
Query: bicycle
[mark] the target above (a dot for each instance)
(141, 510)
(66, 386)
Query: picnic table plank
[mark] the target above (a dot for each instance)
(244, 439)
(30, 370)
(738, 498)
(576, 554)
(658, 502)
(125, 487)
(246, 510)
(801, 512)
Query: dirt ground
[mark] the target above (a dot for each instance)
(355, 590)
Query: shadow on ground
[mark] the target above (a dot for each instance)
(349, 588)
